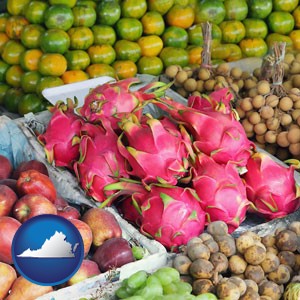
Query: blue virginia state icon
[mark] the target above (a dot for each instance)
(47, 249)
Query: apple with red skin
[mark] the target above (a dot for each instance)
(7, 199)
(12, 183)
(32, 205)
(113, 253)
(103, 223)
(7, 277)
(68, 212)
(86, 234)
(30, 165)
(8, 228)
(27, 290)
(6, 167)
(87, 269)
(60, 202)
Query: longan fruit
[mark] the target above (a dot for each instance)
(258, 101)
(289, 57)
(272, 100)
(209, 85)
(295, 67)
(189, 71)
(271, 136)
(223, 68)
(254, 117)
(203, 74)
(235, 87)
(295, 113)
(286, 103)
(294, 135)
(286, 119)
(246, 104)
(272, 123)
(248, 127)
(200, 86)
(245, 75)
(182, 92)
(252, 92)
(266, 112)
(296, 104)
(240, 112)
(260, 128)
(181, 77)
(257, 72)
(298, 120)
(196, 93)
(190, 85)
(172, 70)
(294, 94)
(287, 85)
(260, 138)
(294, 149)
(236, 72)
(296, 80)
(282, 140)
(263, 87)
(249, 83)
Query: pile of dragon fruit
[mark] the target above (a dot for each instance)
(169, 175)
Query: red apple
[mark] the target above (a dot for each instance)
(8, 228)
(113, 253)
(68, 212)
(34, 182)
(86, 234)
(7, 199)
(87, 269)
(60, 202)
(6, 167)
(32, 205)
(12, 183)
(103, 223)
(27, 290)
(7, 277)
(30, 165)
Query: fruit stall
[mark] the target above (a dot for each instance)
(167, 133)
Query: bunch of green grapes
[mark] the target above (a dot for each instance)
(163, 284)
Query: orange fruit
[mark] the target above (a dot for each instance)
(233, 31)
(181, 16)
(108, 12)
(102, 54)
(253, 47)
(30, 102)
(151, 45)
(125, 69)
(48, 82)
(84, 15)
(30, 36)
(97, 70)
(174, 56)
(74, 76)
(16, 7)
(58, 16)
(3, 89)
(3, 39)
(77, 59)
(104, 34)
(295, 36)
(127, 50)
(194, 53)
(14, 26)
(175, 36)
(52, 64)
(12, 98)
(3, 68)
(133, 8)
(153, 23)
(13, 75)
(3, 19)
(235, 52)
(11, 52)
(161, 6)
(81, 38)
(129, 29)
(29, 81)
(34, 11)
(29, 59)
(151, 65)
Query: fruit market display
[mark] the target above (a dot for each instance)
(27, 191)
(50, 43)
(216, 265)
(112, 147)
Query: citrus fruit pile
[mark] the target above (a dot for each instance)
(55, 42)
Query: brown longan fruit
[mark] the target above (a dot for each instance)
(209, 85)
(258, 101)
(182, 92)
(266, 112)
(190, 84)
(260, 138)
(271, 136)
(272, 100)
(294, 135)
(294, 94)
(294, 149)
(181, 77)
(282, 140)
(254, 117)
(295, 67)
(263, 87)
(172, 70)
(246, 104)
(296, 104)
(289, 57)
(285, 103)
(257, 72)
(249, 83)
(260, 128)
(286, 119)
(240, 112)
(272, 123)
(236, 72)
(287, 85)
(223, 68)
(252, 92)
(298, 120)
(203, 74)
(296, 80)
(200, 86)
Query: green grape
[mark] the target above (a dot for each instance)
(152, 280)
(170, 288)
(121, 293)
(137, 279)
(150, 291)
(138, 252)
(173, 297)
(206, 296)
(166, 275)
(184, 288)
(135, 298)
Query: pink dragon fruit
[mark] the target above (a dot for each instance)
(217, 134)
(62, 136)
(155, 150)
(100, 162)
(116, 100)
(271, 186)
(221, 191)
(171, 215)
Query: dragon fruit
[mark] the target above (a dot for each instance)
(116, 100)
(221, 191)
(171, 215)
(271, 186)
(217, 134)
(62, 136)
(100, 162)
(155, 149)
